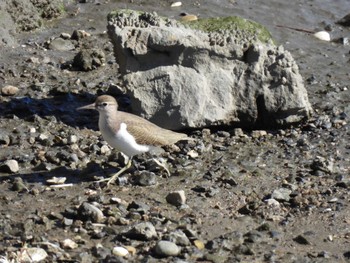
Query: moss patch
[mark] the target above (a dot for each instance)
(231, 23)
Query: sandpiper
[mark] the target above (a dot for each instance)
(128, 133)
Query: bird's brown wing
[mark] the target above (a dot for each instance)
(146, 132)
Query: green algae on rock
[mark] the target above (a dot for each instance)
(244, 30)
(231, 23)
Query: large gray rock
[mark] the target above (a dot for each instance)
(179, 77)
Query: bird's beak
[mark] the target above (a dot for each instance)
(88, 107)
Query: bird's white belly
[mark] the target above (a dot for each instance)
(123, 141)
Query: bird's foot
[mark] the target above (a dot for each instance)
(163, 164)
(115, 176)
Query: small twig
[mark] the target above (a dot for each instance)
(297, 29)
(98, 225)
(60, 185)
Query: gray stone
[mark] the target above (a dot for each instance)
(345, 21)
(89, 212)
(9, 90)
(145, 178)
(301, 239)
(322, 164)
(179, 77)
(4, 137)
(177, 198)
(142, 231)
(89, 59)
(72, 139)
(61, 44)
(67, 221)
(32, 254)
(10, 166)
(167, 248)
(179, 237)
(139, 207)
(281, 194)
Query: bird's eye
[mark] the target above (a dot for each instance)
(104, 104)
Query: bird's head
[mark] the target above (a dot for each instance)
(103, 103)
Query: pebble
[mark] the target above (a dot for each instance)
(253, 236)
(102, 252)
(9, 90)
(67, 221)
(176, 198)
(32, 254)
(176, 4)
(258, 133)
(89, 59)
(193, 154)
(56, 180)
(142, 231)
(74, 158)
(272, 202)
(199, 244)
(179, 237)
(167, 248)
(120, 251)
(10, 166)
(344, 21)
(43, 137)
(68, 243)
(281, 194)
(18, 185)
(322, 164)
(238, 132)
(72, 139)
(145, 178)
(90, 212)
(61, 44)
(65, 35)
(4, 138)
(139, 207)
(301, 239)
(105, 150)
(79, 34)
(323, 35)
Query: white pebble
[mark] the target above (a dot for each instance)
(272, 202)
(120, 251)
(176, 4)
(323, 35)
(56, 180)
(32, 254)
(105, 149)
(11, 166)
(9, 90)
(192, 153)
(72, 139)
(69, 243)
(43, 137)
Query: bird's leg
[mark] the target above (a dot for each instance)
(115, 176)
(163, 164)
